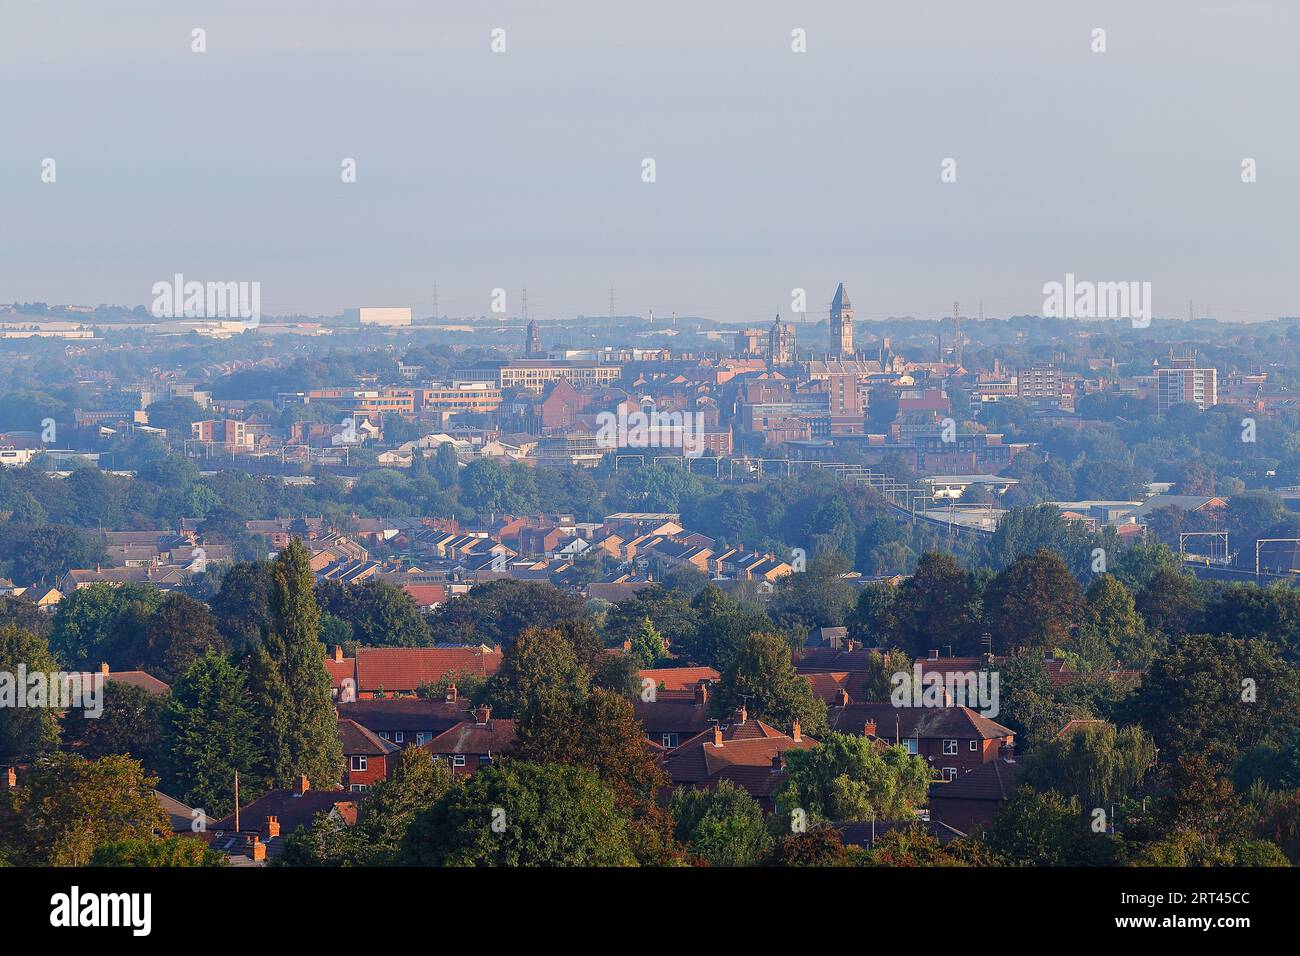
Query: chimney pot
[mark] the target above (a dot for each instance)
(338, 653)
(869, 729)
(717, 735)
(302, 786)
(452, 692)
(842, 697)
(794, 733)
(701, 693)
(852, 645)
(272, 827)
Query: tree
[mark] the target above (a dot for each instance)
(1271, 613)
(1112, 620)
(1196, 800)
(872, 623)
(934, 607)
(128, 725)
(820, 846)
(1169, 603)
(102, 622)
(648, 644)
(25, 732)
(1034, 602)
(384, 817)
(723, 826)
(846, 778)
(1095, 763)
(379, 614)
(720, 626)
(290, 685)
(1045, 829)
(540, 662)
(243, 605)
(69, 806)
(495, 612)
(446, 466)
(1219, 695)
(209, 727)
(763, 675)
(514, 813)
(180, 632)
(169, 852)
(819, 597)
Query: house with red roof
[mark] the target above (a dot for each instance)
(473, 743)
(746, 751)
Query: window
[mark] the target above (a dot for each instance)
(358, 763)
(399, 737)
(974, 745)
(484, 759)
(458, 760)
(911, 743)
(950, 773)
(358, 788)
(670, 741)
(423, 737)
(949, 747)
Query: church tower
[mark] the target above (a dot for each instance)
(780, 344)
(533, 341)
(841, 325)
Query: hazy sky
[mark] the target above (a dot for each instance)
(775, 169)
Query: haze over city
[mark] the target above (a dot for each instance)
(775, 169)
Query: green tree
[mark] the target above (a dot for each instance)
(1033, 603)
(647, 644)
(1095, 763)
(1220, 695)
(514, 813)
(209, 728)
(1044, 829)
(290, 685)
(934, 607)
(168, 852)
(847, 778)
(69, 806)
(129, 724)
(723, 826)
(25, 732)
(180, 632)
(763, 677)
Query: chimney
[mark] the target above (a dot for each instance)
(701, 693)
(302, 786)
(852, 645)
(717, 735)
(10, 779)
(934, 653)
(103, 669)
(256, 848)
(778, 762)
(451, 693)
(741, 715)
(1008, 750)
(869, 729)
(482, 714)
(338, 653)
(842, 698)
(272, 827)
(794, 731)
(627, 647)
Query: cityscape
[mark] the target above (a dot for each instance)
(688, 565)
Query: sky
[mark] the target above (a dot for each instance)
(774, 170)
